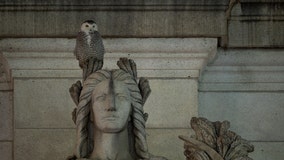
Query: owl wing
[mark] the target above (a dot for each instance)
(82, 48)
(97, 45)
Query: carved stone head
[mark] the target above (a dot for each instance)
(110, 101)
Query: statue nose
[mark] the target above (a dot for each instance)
(111, 103)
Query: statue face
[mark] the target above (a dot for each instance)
(111, 106)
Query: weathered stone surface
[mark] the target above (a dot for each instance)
(6, 150)
(116, 19)
(268, 150)
(254, 115)
(245, 70)
(257, 24)
(172, 103)
(43, 103)
(165, 142)
(43, 144)
(6, 120)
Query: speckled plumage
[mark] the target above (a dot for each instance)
(89, 49)
(87, 46)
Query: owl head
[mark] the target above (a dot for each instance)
(89, 26)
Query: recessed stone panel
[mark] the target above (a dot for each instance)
(172, 103)
(43, 103)
(43, 144)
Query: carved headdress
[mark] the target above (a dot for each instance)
(140, 91)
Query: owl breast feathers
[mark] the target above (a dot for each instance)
(88, 45)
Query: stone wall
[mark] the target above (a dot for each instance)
(243, 83)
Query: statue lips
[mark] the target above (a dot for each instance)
(110, 117)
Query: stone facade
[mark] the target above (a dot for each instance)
(242, 81)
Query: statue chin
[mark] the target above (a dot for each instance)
(112, 127)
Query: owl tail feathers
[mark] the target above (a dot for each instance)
(93, 65)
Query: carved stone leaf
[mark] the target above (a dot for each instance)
(214, 139)
(144, 88)
(128, 65)
(205, 131)
(239, 148)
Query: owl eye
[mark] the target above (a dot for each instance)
(86, 25)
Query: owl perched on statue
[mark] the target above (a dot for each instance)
(89, 49)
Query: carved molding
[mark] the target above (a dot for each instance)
(245, 70)
(156, 57)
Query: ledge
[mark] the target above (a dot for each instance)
(245, 70)
(155, 57)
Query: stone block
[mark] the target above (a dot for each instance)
(6, 120)
(165, 142)
(268, 150)
(172, 103)
(244, 70)
(6, 151)
(43, 144)
(256, 24)
(255, 116)
(115, 19)
(256, 33)
(45, 103)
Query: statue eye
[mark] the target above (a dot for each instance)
(101, 97)
(86, 25)
(121, 96)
